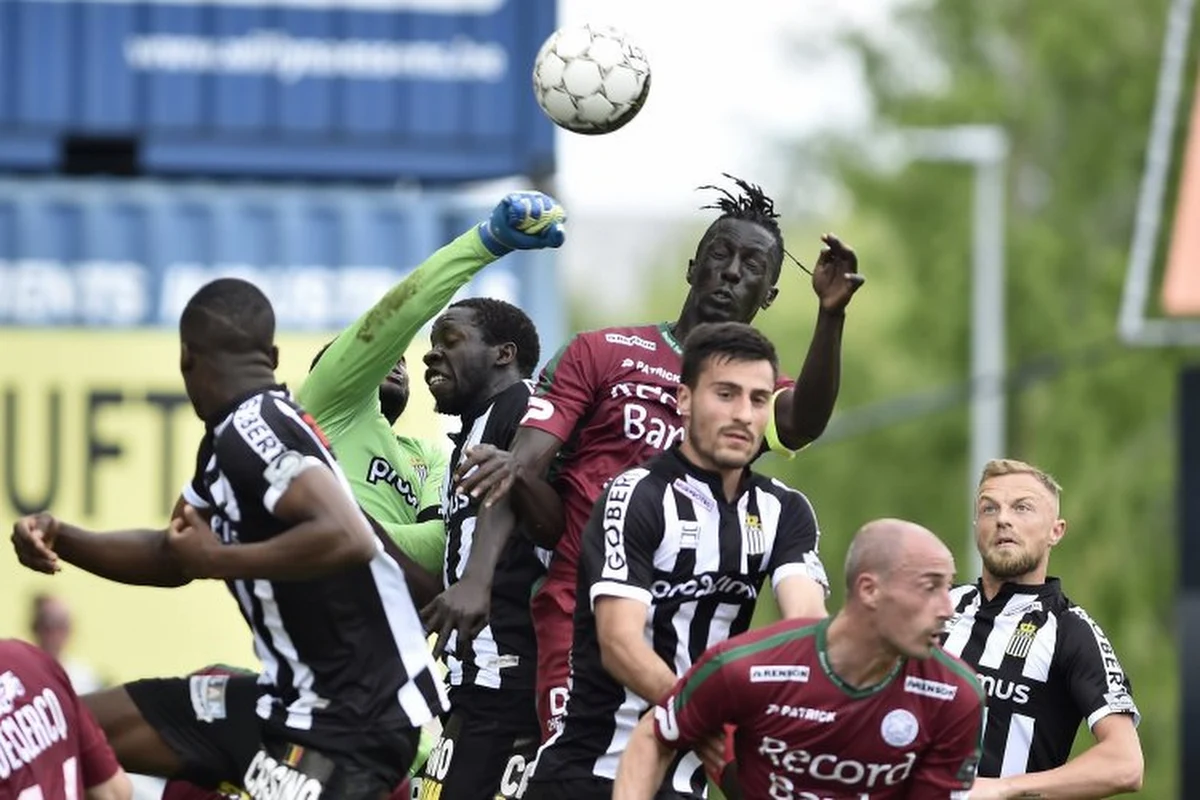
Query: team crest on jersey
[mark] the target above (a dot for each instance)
(756, 540)
(899, 728)
(1022, 640)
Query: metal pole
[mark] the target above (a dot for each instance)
(988, 390)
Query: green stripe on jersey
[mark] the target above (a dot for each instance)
(738, 653)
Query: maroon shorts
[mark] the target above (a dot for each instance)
(553, 610)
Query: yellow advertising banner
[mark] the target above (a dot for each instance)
(96, 428)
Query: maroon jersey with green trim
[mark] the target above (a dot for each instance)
(803, 734)
(50, 745)
(609, 395)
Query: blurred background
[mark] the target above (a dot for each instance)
(1013, 174)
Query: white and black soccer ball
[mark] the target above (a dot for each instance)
(591, 78)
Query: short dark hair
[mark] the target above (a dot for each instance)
(751, 205)
(727, 341)
(228, 315)
(502, 322)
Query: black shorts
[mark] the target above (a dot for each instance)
(211, 723)
(481, 756)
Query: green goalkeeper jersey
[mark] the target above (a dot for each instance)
(397, 480)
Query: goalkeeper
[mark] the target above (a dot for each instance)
(358, 386)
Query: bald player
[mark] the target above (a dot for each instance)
(862, 704)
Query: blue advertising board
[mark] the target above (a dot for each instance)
(414, 90)
(129, 253)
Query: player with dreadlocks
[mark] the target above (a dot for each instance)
(606, 402)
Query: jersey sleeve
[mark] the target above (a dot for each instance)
(797, 541)
(423, 542)
(946, 771)
(194, 492)
(1097, 683)
(97, 761)
(621, 538)
(345, 381)
(565, 390)
(700, 704)
(261, 452)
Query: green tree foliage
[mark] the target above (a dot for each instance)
(1073, 84)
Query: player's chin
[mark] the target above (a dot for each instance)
(445, 402)
(734, 456)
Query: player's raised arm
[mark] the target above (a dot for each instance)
(349, 373)
(802, 412)
(136, 557)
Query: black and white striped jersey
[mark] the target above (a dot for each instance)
(344, 657)
(665, 535)
(504, 654)
(1045, 665)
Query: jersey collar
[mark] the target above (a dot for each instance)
(713, 479)
(851, 691)
(218, 417)
(480, 408)
(1052, 587)
(664, 330)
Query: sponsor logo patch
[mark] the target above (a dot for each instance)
(927, 688)
(779, 673)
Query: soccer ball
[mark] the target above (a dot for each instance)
(591, 78)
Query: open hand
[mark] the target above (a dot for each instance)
(463, 609)
(835, 277)
(486, 471)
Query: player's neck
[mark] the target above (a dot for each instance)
(992, 585)
(689, 318)
(230, 385)
(731, 479)
(855, 654)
